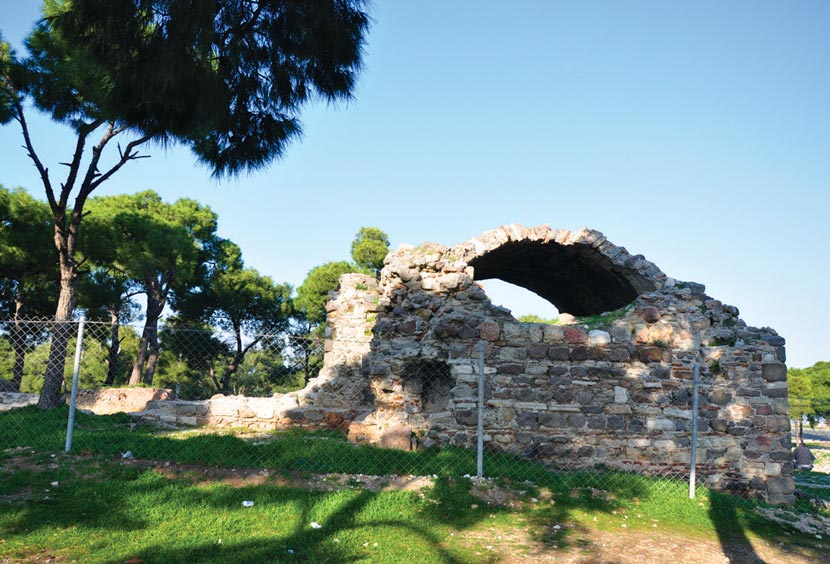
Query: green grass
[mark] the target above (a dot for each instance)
(104, 511)
(598, 321)
(155, 519)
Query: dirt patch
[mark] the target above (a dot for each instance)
(586, 546)
(36, 559)
(241, 477)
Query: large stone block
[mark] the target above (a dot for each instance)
(774, 372)
(781, 486)
(396, 437)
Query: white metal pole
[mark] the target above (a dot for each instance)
(480, 429)
(693, 461)
(75, 374)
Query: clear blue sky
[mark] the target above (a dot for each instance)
(695, 133)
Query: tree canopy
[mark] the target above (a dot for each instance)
(158, 246)
(28, 274)
(241, 302)
(369, 248)
(809, 392)
(313, 293)
(227, 79)
(28, 269)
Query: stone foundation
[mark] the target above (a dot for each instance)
(102, 401)
(252, 414)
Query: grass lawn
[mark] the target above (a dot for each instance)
(188, 505)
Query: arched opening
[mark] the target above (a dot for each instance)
(575, 278)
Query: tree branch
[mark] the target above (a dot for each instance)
(244, 27)
(42, 170)
(251, 345)
(92, 169)
(75, 165)
(127, 155)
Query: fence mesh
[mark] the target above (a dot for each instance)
(195, 363)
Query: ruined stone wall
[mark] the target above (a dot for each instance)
(102, 401)
(614, 389)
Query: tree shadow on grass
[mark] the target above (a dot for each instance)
(335, 540)
(554, 524)
(92, 504)
(723, 511)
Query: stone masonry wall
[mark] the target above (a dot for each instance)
(614, 390)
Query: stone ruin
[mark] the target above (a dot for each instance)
(613, 388)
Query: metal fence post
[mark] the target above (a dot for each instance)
(75, 375)
(693, 461)
(480, 429)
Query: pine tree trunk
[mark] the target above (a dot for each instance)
(51, 396)
(230, 371)
(145, 364)
(17, 335)
(152, 357)
(141, 358)
(115, 344)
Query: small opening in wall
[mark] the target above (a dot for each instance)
(428, 382)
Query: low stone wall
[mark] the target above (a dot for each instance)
(13, 400)
(249, 413)
(105, 401)
(102, 401)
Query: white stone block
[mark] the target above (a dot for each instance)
(659, 424)
(597, 337)
(639, 443)
(532, 405)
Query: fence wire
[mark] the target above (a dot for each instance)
(346, 421)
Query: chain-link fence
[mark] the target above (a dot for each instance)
(457, 416)
(194, 361)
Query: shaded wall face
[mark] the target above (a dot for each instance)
(618, 393)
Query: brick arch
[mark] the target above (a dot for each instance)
(580, 272)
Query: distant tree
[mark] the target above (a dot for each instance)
(533, 318)
(28, 272)
(240, 301)
(106, 293)
(313, 293)
(228, 79)
(191, 353)
(809, 393)
(369, 248)
(800, 392)
(159, 247)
